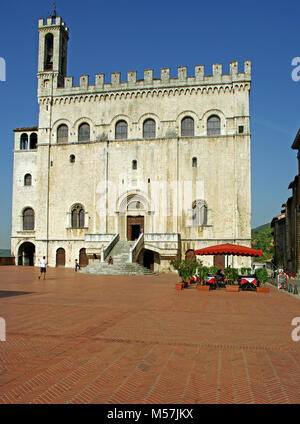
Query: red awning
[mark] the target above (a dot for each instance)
(228, 249)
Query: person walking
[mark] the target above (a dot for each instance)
(43, 267)
(77, 266)
(282, 280)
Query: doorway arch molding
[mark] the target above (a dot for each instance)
(134, 196)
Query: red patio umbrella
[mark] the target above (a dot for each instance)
(228, 249)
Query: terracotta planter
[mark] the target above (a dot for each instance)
(232, 288)
(263, 289)
(179, 286)
(203, 288)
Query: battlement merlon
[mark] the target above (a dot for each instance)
(149, 82)
(52, 22)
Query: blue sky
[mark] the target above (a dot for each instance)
(120, 36)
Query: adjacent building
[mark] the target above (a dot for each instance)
(286, 226)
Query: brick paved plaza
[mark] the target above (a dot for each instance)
(104, 339)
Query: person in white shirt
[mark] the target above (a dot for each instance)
(43, 267)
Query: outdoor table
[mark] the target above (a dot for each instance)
(248, 283)
(211, 281)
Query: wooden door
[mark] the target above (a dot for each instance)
(83, 258)
(134, 221)
(60, 257)
(219, 261)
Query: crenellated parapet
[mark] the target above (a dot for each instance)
(217, 78)
(51, 23)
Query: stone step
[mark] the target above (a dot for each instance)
(125, 268)
(121, 266)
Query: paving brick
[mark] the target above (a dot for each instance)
(133, 339)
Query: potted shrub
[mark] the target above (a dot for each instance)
(261, 275)
(231, 275)
(185, 269)
(213, 270)
(203, 272)
(246, 271)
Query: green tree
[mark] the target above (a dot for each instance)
(262, 240)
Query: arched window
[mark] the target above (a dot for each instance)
(28, 219)
(62, 133)
(27, 180)
(121, 130)
(84, 132)
(134, 164)
(24, 142)
(33, 141)
(77, 216)
(199, 213)
(187, 127)
(48, 60)
(194, 162)
(149, 128)
(213, 125)
(72, 158)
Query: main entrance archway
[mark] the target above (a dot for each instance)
(135, 211)
(26, 254)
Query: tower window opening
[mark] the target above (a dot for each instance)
(33, 141)
(48, 65)
(24, 142)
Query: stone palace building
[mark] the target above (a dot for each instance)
(161, 165)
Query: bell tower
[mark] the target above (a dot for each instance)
(53, 48)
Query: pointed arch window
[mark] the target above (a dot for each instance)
(121, 130)
(149, 128)
(77, 216)
(213, 125)
(28, 219)
(134, 164)
(199, 213)
(84, 132)
(187, 127)
(62, 133)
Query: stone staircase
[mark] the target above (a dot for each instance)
(121, 266)
(120, 253)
